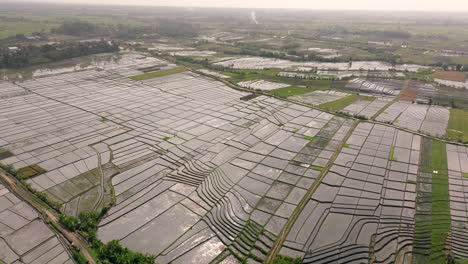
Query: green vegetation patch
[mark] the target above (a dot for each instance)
(317, 168)
(113, 252)
(344, 102)
(166, 138)
(5, 153)
(440, 222)
(464, 174)
(79, 258)
(392, 152)
(30, 171)
(282, 259)
(290, 91)
(433, 222)
(248, 75)
(69, 222)
(151, 75)
(458, 125)
(308, 138)
(104, 119)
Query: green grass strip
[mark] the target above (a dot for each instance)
(440, 213)
(342, 102)
(390, 156)
(151, 75)
(290, 91)
(458, 125)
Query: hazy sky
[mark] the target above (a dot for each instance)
(410, 5)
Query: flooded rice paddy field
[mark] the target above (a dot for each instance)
(365, 204)
(200, 176)
(375, 87)
(367, 108)
(338, 75)
(432, 120)
(24, 238)
(457, 158)
(262, 85)
(214, 73)
(264, 63)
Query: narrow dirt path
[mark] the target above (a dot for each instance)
(101, 183)
(292, 219)
(47, 214)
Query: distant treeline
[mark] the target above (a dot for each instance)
(167, 28)
(32, 55)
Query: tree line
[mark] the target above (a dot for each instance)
(31, 55)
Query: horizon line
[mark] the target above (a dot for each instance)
(232, 7)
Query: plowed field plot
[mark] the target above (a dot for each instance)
(409, 94)
(450, 76)
(24, 238)
(365, 206)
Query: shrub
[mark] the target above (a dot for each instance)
(69, 222)
(88, 223)
(113, 252)
(79, 258)
(281, 259)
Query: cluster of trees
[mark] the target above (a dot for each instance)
(86, 223)
(76, 28)
(33, 55)
(111, 252)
